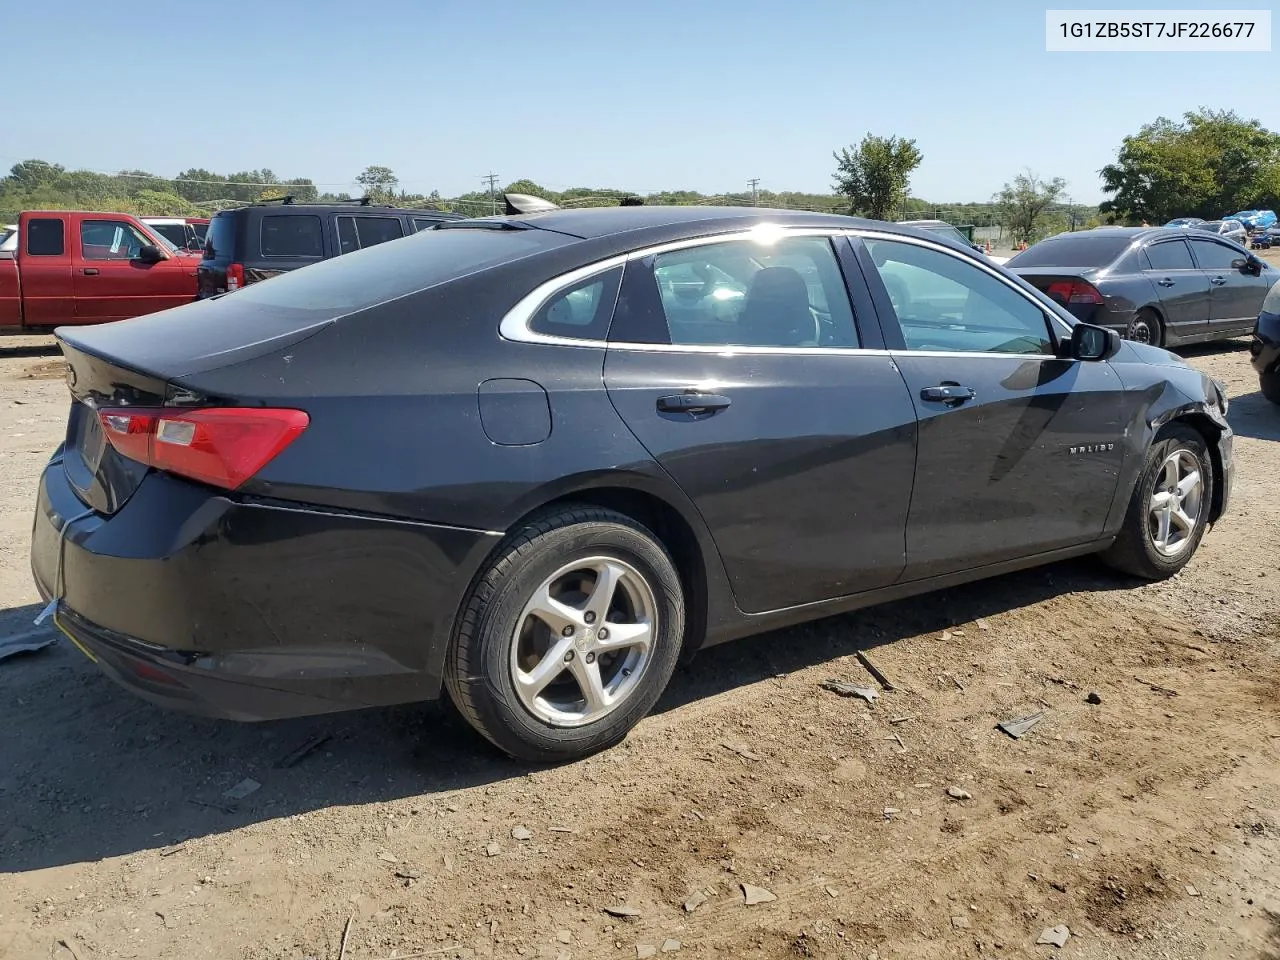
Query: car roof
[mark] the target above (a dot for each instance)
(314, 208)
(1130, 233)
(678, 221)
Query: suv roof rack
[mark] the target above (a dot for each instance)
(286, 200)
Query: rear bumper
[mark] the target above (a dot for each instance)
(251, 611)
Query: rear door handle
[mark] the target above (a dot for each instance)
(1166, 282)
(90, 271)
(952, 394)
(692, 403)
(1217, 281)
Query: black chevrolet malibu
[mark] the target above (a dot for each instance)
(1161, 286)
(532, 459)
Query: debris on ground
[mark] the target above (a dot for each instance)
(493, 849)
(742, 750)
(961, 922)
(1156, 688)
(1094, 697)
(623, 912)
(521, 833)
(671, 946)
(874, 670)
(868, 694)
(388, 857)
(295, 756)
(956, 793)
(564, 936)
(644, 950)
(28, 642)
(1192, 891)
(1020, 726)
(1055, 936)
(242, 789)
(981, 624)
(753, 895)
(696, 899)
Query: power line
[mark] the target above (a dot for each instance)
(753, 183)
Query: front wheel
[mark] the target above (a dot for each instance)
(1270, 385)
(569, 637)
(1168, 510)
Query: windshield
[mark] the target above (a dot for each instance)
(1073, 250)
(950, 232)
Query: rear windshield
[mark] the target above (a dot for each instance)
(220, 241)
(1075, 250)
(366, 277)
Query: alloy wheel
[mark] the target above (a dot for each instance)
(583, 641)
(1176, 503)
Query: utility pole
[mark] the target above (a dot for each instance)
(492, 180)
(754, 182)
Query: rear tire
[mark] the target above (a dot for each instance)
(1270, 385)
(1145, 327)
(1168, 512)
(569, 636)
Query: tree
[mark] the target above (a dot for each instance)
(875, 176)
(30, 174)
(1211, 163)
(1023, 202)
(378, 182)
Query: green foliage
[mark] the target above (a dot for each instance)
(1024, 202)
(875, 175)
(1210, 164)
(379, 183)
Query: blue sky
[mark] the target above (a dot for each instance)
(641, 96)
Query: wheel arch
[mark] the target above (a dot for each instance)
(1211, 432)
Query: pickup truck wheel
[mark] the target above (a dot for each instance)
(569, 637)
(1270, 384)
(1169, 508)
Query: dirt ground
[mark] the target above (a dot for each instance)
(1147, 823)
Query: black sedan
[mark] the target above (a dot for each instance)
(1264, 347)
(531, 460)
(1163, 286)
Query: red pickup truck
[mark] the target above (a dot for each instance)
(73, 267)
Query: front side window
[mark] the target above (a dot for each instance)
(1213, 256)
(296, 235)
(785, 293)
(1170, 255)
(944, 303)
(46, 237)
(356, 233)
(110, 240)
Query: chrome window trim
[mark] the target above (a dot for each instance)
(515, 324)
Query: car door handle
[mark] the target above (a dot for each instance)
(90, 271)
(1166, 282)
(692, 402)
(1217, 281)
(952, 394)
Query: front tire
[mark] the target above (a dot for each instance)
(1270, 385)
(1169, 508)
(1145, 327)
(569, 637)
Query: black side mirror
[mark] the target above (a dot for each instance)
(149, 253)
(1251, 265)
(1093, 343)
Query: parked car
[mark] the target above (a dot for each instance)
(8, 238)
(263, 240)
(1264, 347)
(943, 229)
(71, 267)
(1158, 285)
(1185, 222)
(1233, 230)
(185, 233)
(530, 460)
(1254, 218)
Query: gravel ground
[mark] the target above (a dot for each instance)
(1147, 823)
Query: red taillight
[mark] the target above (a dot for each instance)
(235, 276)
(222, 446)
(1074, 291)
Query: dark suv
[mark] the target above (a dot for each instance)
(259, 241)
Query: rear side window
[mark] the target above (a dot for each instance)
(1170, 255)
(220, 240)
(342, 285)
(46, 238)
(356, 233)
(583, 311)
(1074, 250)
(298, 235)
(423, 223)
